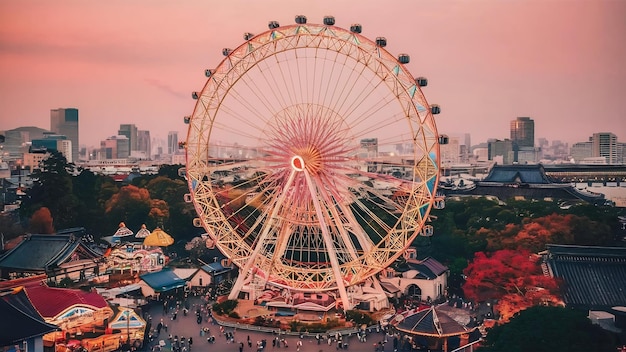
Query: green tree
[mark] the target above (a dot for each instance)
(549, 329)
(52, 188)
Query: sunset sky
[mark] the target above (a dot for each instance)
(563, 63)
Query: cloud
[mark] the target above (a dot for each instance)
(164, 88)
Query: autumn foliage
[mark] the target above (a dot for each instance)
(41, 222)
(513, 277)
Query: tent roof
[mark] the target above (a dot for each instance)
(20, 320)
(158, 238)
(429, 322)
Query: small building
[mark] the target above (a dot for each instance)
(418, 279)
(156, 283)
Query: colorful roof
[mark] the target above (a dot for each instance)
(594, 277)
(164, 280)
(50, 301)
(39, 252)
(20, 320)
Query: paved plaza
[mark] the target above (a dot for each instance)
(187, 326)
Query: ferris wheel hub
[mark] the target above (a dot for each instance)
(297, 163)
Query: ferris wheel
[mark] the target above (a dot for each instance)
(312, 157)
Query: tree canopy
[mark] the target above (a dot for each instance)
(548, 329)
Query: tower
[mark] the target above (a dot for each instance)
(65, 122)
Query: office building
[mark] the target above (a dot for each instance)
(65, 122)
(523, 132)
(130, 131)
(604, 144)
(144, 144)
(501, 151)
(172, 142)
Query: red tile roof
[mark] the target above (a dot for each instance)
(51, 301)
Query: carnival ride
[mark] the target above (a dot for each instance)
(312, 157)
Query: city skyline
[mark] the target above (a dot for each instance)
(487, 64)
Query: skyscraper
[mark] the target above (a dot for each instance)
(130, 131)
(65, 122)
(523, 132)
(172, 142)
(144, 144)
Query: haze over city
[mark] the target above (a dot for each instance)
(488, 62)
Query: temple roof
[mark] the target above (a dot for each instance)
(38, 252)
(432, 323)
(594, 277)
(20, 320)
(532, 174)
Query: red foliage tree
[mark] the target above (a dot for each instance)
(514, 278)
(41, 222)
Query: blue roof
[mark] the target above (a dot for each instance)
(213, 267)
(533, 174)
(163, 280)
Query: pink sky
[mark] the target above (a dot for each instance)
(563, 63)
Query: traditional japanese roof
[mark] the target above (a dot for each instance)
(163, 280)
(51, 301)
(594, 277)
(432, 323)
(36, 253)
(517, 174)
(20, 320)
(528, 181)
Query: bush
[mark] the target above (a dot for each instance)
(226, 308)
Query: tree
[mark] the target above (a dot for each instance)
(549, 329)
(131, 205)
(52, 188)
(41, 222)
(514, 278)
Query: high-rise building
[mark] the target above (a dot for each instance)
(172, 142)
(523, 132)
(144, 144)
(65, 122)
(130, 131)
(604, 144)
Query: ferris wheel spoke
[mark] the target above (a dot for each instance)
(328, 241)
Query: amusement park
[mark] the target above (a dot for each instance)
(312, 164)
